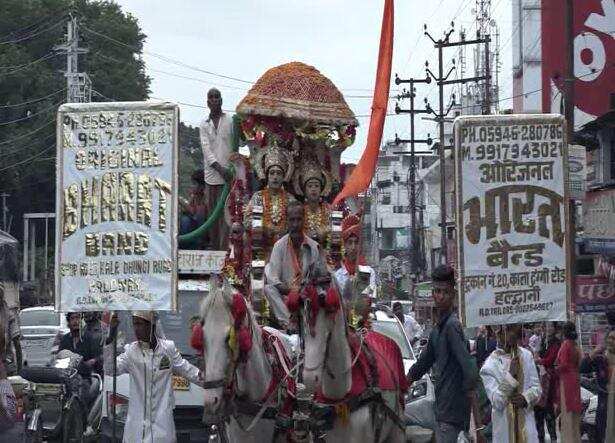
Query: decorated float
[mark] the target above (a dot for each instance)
(296, 125)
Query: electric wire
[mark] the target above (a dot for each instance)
(34, 100)
(6, 142)
(164, 58)
(30, 27)
(28, 159)
(30, 142)
(55, 105)
(38, 60)
(195, 68)
(207, 82)
(28, 37)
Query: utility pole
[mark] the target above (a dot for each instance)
(78, 84)
(442, 80)
(411, 94)
(5, 210)
(569, 115)
(487, 109)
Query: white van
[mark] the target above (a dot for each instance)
(39, 327)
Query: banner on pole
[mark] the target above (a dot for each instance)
(512, 211)
(116, 206)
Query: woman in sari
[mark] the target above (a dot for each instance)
(568, 359)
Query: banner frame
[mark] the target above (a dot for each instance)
(174, 204)
(518, 119)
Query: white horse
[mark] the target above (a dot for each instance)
(231, 377)
(328, 362)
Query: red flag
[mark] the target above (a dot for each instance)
(362, 175)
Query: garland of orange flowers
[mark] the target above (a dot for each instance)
(267, 206)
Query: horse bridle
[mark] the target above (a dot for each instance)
(227, 381)
(327, 342)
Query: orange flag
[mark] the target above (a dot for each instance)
(364, 171)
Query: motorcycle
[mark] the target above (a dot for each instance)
(58, 399)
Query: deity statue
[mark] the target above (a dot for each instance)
(265, 214)
(312, 182)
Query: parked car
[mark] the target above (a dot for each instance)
(39, 328)
(405, 304)
(188, 411)
(419, 405)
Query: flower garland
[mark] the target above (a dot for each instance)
(283, 131)
(274, 209)
(315, 219)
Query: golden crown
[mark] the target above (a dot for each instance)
(276, 157)
(311, 170)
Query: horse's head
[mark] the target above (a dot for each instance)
(225, 339)
(321, 319)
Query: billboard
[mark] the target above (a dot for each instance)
(594, 50)
(594, 294)
(512, 211)
(116, 202)
(539, 45)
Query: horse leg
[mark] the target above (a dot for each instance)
(359, 428)
(391, 433)
(263, 431)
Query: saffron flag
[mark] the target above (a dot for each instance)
(364, 171)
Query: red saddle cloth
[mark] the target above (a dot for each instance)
(385, 368)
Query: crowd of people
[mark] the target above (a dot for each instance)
(529, 373)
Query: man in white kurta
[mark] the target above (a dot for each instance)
(151, 362)
(216, 133)
(511, 381)
(295, 260)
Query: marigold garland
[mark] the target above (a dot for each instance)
(274, 209)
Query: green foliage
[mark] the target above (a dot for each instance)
(190, 157)
(30, 69)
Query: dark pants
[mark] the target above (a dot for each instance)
(218, 232)
(446, 432)
(188, 223)
(601, 417)
(542, 415)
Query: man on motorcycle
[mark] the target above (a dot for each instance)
(79, 342)
(151, 361)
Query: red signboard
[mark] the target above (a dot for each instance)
(594, 294)
(594, 52)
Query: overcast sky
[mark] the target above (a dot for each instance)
(243, 38)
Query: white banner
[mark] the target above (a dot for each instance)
(200, 262)
(512, 216)
(116, 231)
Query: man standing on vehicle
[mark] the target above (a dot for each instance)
(216, 134)
(150, 361)
(454, 370)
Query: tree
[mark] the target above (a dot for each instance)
(190, 156)
(32, 86)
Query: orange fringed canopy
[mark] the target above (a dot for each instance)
(297, 91)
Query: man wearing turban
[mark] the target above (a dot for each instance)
(151, 361)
